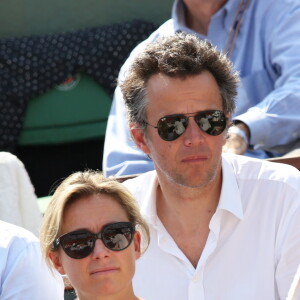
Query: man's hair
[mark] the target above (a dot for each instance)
(179, 56)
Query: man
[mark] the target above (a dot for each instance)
(23, 272)
(222, 226)
(261, 37)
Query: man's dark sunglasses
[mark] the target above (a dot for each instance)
(81, 243)
(171, 127)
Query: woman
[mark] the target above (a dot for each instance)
(92, 233)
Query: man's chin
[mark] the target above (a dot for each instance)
(190, 181)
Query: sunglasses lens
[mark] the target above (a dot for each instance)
(212, 122)
(118, 236)
(171, 127)
(78, 244)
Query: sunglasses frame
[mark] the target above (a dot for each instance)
(94, 236)
(186, 117)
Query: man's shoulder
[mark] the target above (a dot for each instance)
(141, 183)
(140, 179)
(248, 168)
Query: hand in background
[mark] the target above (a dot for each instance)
(237, 139)
(235, 144)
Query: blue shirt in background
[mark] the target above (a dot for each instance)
(266, 54)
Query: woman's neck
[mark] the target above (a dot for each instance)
(128, 295)
(113, 298)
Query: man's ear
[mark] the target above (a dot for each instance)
(229, 120)
(228, 124)
(55, 258)
(139, 137)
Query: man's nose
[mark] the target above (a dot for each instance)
(193, 135)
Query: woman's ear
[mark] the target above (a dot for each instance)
(55, 258)
(137, 244)
(139, 137)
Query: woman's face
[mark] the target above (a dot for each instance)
(103, 272)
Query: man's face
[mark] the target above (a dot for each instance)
(194, 158)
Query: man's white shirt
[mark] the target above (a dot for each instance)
(253, 248)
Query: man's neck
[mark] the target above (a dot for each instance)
(198, 17)
(180, 201)
(186, 213)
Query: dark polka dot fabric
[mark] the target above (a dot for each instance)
(31, 66)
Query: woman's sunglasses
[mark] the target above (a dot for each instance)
(171, 127)
(81, 243)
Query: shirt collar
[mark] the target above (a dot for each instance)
(178, 16)
(148, 204)
(230, 10)
(230, 198)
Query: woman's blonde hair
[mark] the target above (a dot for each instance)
(80, 185)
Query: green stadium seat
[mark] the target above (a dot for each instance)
(68, 113)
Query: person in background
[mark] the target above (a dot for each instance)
(223, 226)
(91, 233)
(261, 37)
(23, 272)
(15, 184)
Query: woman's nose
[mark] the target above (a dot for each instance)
(100, 250)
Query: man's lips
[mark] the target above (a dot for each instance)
(105, 270)
(195, 158)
